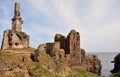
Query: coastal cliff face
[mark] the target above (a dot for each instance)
(61, 58)
(116, 70)
(116, 62)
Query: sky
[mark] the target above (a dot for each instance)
(97, 21)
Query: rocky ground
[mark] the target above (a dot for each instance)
(20, 64)
(116, 70)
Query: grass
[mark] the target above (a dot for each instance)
(35, 69)
(82, 73)
(115, 75)
(38, 71)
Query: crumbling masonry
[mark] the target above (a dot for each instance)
(15, 38)
(71, 45)
(65, 50)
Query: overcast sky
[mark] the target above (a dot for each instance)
(97, 21)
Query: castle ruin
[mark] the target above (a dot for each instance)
(65, 50)
(15, 38)
(70, 45)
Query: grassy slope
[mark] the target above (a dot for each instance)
(82, 73)
(115, 75)
(34, 68)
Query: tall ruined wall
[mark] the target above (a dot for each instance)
(5, 41)
(71, 45)
(49, 47)
(73, 41)
(12, 39)
(62, 40)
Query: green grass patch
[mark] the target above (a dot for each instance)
(38, 71)
(82, 73)
(115, 75)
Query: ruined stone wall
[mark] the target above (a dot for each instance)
(71, 45)
(49, 47)
(12, 39)
(61, 39)
(5, 41)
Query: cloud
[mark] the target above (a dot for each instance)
(66, 10)
(59, 11)
(104, 39)
(96, 20)
(98, 9)
(39, 34)
(42, 7)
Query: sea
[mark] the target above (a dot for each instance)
(106, 59)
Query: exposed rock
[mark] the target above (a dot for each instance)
(5, 68)
(51, 54)
(93, 64)
(15, 73)
(44, 59)
(62, 71)
(59, 56)
(116, 62)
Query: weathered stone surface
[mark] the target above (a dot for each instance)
(17, 72)
(82, 54)
(62, 71)
(73, 42)
(48, 47)
(44, 59)
(17, 20)
(59, 56)
(116, 62)
(15, 38)
(4, 68)
(71, 45)
(52, 51)
(93, 64)
(61, 39)
(17, 9)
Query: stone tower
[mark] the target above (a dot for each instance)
(73, 41)
(15, 38)
(71, 45)
(17, 20)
